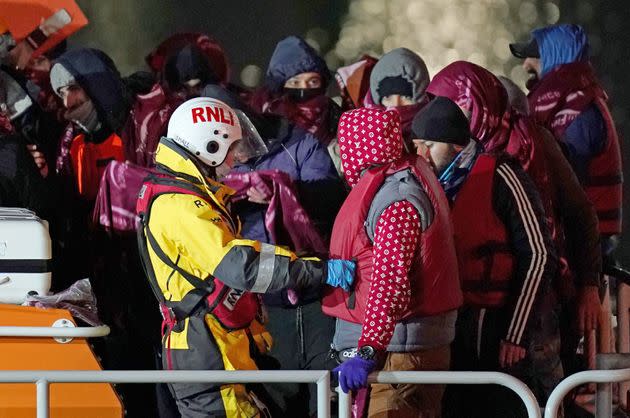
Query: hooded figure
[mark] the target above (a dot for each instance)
(183, 64)
(492, 120)
(295, 88)
(396, 224)
(495, 124)
(97, 103)
(399, 81)
(567, 99)
(354, 83)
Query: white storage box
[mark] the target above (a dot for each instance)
(25, 255)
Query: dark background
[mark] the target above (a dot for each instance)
(249, 30)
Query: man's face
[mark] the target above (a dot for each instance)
(310, 80)
(532, 67)
(226, 166)
(438, 154)
(190, 89)
(73, 96)
(396, 100)
(40, 64)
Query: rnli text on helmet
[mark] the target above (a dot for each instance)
(208, 113)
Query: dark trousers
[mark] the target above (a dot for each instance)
(301, 341)
(541, 369)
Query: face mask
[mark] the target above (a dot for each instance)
(85, 116)
(303, 95)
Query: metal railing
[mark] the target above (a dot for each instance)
(466, 378)
(590, 376)
(55, 332)
(43, 379)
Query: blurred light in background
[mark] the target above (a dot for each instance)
(251, 75)
(442, 32)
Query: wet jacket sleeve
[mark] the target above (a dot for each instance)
(201, 236)
(578, 217)
(396, 240)
(584, 138)
(318, 177)
(517, 203)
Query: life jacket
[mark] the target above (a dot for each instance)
(486, 263)
(89, 161)
(433, 275)
(603, 184)
(233, 308)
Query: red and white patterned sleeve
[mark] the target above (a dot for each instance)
(396, 241)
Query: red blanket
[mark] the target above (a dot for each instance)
(115, 208)
(561, 95)
(284, 210)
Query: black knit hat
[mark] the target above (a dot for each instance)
(395, 85)
(442, 121)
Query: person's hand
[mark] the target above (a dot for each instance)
(21, 55)
(589, 308)
(39, 158)
(353, 373)
(257, 196)
(510, 354)
(341, 273)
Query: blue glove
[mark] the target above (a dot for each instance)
(353, 373)
(341, 273)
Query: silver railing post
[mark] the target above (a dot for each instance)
(604, 397)
(43, 398)
(577, 379)
(345, 403)
(442, 377)
(323, 396)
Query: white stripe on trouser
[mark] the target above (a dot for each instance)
(482, 315)
(539, 258)
(266, 264)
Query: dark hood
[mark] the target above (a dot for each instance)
(294, 56)
(209, 46)
(186, 64)
(97, 74)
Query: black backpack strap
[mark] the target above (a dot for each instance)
(146, 262)
(195, 281)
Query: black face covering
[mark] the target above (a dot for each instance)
(303, 95)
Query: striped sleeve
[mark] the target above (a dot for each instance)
(517, 202)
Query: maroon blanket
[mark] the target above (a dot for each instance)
(284, 210)
(115, 208)
(561, 95)
(148, 123)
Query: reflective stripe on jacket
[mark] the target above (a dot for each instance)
(204, 239)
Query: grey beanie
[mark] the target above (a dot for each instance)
(400, 62)
(60, 77)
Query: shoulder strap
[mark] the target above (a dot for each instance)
(195, 281)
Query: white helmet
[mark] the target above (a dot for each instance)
(207, 128)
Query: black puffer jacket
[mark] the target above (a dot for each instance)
(21, 184)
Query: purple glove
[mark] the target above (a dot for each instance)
(353, 373)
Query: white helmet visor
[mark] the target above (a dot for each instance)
(251, 144)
